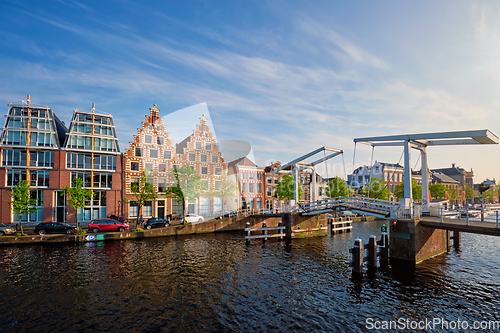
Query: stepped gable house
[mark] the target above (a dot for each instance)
(201, 152)
(151, 152)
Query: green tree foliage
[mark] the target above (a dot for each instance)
(186, 185)
(285, 188)
(469, 192)
(416, 190)
(22, 202)
(438, 190)
(337, 187)
(454, 193)
(226, 189)
(489, 195)
(143, 191)
(77, 195)
(376, 189)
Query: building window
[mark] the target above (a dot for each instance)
(243, 188)
(269, 191)
(203, 158)
(198, 145)
(134, 184)
(149, 166)
(259, 203)
(148, 139)
(133, 210)
(147, 209)
(218, 185)
(192, 157)
(250, 175)
(208, 146)
(218, 171)
(153, 153)
(162, 168)
(205, 184)
(175, 166)
(160, 140)
(167, 154)
(39, 178)
(276, 180)
(243, 175)
(259, 176)
(134, 166)
(14, 157)
(15, 138)
(204, 170)
(215, 159)
(162, 184)
(259, 188)
(15, 176)
(139, 152)
(269, 180)
(250, 187)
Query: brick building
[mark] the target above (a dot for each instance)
(36, 146)
(201, 152)
(249, 178)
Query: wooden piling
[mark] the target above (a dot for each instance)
(357, 256)
(384, 249)
(372, 252)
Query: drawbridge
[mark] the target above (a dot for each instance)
(367, 206)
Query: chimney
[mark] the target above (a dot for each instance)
(452, 165)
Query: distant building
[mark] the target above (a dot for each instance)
(250, 180)
(461, 175)
(391, 173)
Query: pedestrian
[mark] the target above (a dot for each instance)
(141, 221)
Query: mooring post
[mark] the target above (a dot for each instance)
(467, 215)
(441, 214)
(281, 231)
(497, 218)
(264, 232)
(357, 256)
(384, 250)
(456, 238)
(248, 232)
(372, 252)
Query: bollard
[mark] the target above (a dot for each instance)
(372, 252)
(467, 215)
(280, 224)
(441, 214)
(357, 256)
(248, 231)
(264, 232)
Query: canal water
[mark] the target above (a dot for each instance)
(217, 283)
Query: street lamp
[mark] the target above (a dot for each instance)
(482, 188)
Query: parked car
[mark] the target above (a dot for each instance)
(155, 222)
(346, 213)
(99, 225)
(6, 230)
(54, 228)
(193, 218)
(266, 211)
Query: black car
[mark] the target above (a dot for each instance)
(155, 223)
(54, 228)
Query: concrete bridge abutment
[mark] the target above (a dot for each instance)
(411, 242)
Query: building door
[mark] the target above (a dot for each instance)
(161, 209)
(60, 206)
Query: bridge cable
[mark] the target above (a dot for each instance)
(327, 178)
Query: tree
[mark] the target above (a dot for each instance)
(376, 189)
(338, 188)
(469, 192)
(225, 189)
(22, 202)
(285, 189)
(416, 190)
(142, 192)
(454, 193)
(78, 196)
(186, 185)
(489, 195)
(438, 190)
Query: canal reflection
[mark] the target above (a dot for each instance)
(217, 283)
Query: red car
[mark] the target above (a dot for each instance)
(104, 225)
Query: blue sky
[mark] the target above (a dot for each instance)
(285, 76)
